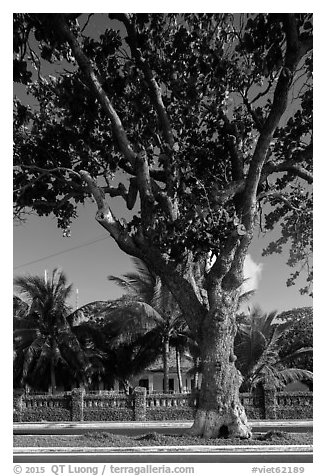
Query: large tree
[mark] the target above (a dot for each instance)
(209, 117)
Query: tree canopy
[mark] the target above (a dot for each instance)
(183, 105)
(208, 119)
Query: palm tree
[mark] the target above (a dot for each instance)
(257, 347)
(152, 310)
(121, 345)
(43, 340)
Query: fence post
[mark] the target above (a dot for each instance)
(140, 403)
(77, 404)
(18, 405)
(270, 402)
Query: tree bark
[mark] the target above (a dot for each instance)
(220, 412)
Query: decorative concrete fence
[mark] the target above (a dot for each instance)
(79, 405)
(177, 406)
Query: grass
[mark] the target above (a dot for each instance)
(105, 439)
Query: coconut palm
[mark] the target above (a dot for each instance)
(152, 310)
(122, 345)
(257, 347)
(44, 343)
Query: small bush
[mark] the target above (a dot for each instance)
(153, 437)
(274, 435)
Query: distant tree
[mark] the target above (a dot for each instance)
(45, 346)
(123, 345)
(209, 116)
(153, 306)
(298, 334)
(262, 359)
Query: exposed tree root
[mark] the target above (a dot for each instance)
(225, 422)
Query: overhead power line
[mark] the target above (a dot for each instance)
(87, 243)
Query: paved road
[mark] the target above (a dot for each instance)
(291, 458)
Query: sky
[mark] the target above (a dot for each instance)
(90, 255)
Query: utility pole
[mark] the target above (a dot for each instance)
(76, 299)
(45, 277)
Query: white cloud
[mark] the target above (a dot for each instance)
(252, 272)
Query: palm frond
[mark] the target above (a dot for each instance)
(290, 375)
(24, 338)
(257, 347)
(246, 296)
(294, 355)
(40, 347)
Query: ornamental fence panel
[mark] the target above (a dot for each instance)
(79, 405)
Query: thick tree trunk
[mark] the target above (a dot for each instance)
(220, 412)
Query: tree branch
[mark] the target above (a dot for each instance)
(293, 55)
(52, 171)
(46, 171)
(154, 89)
(138, 247)
(291, 167)
(106, 218)
(96, 87)
(252, 112)
(278, 196)
(180, 284)
(220, 197)
(164, 201)
(262, 93)
(233, 140)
